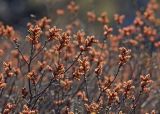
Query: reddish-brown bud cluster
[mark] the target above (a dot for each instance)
(44, 23)
(128, 89)
(34, 33)
(119, 18)
(145, 81)
(66, 84)
(33, 77)
(72, 7)
(9, 108)
(59, 72)
(64, 40)
(103, 18)
(26, 110)
(9, 70)
(112, 96)
(8, 31)
(91, 16)
(84, 66)
(53, 33)
(124, 56)
(2, 82)
(126, 31)
(99, 68)
(88, 42)
(107, 30)
(149, 31)
(93, 108)
(138, 21)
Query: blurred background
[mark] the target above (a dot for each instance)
(18, 12)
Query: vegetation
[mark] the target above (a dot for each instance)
(70, 71)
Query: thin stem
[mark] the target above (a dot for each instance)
(17, 47)
(29, 69)
(86, 88)
(135, 103)
(110, 82)
(73, 62)
(34, 56)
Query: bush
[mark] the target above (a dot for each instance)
(69, 71)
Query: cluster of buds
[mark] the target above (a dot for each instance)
(145, 81)
(148, 14)
(118, 87)
(126, 31)
(8, 31)
(119, 18)
(138, 21)
(88, 43)
(70, 51)
(107, 30)
(151, 8)
(77, 74)
(84, 66)
(152, 112)
(9, 70)
(72, 7)
(59, 73)
(64, 40)
(93, 108)
(44, 22)
(153, 5)
(103, 18)
(99, 68)
(9, 108)
(53, 33)
(112, 97)
(42, 65)
(26, 110)
(149, 31)
(91, 16)
(124, 56)
(33, 77)
(66, 84)
(80, 37)
(34, 33)
(96, 56)
(128, 89)
(66, 110)
(2, 82)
